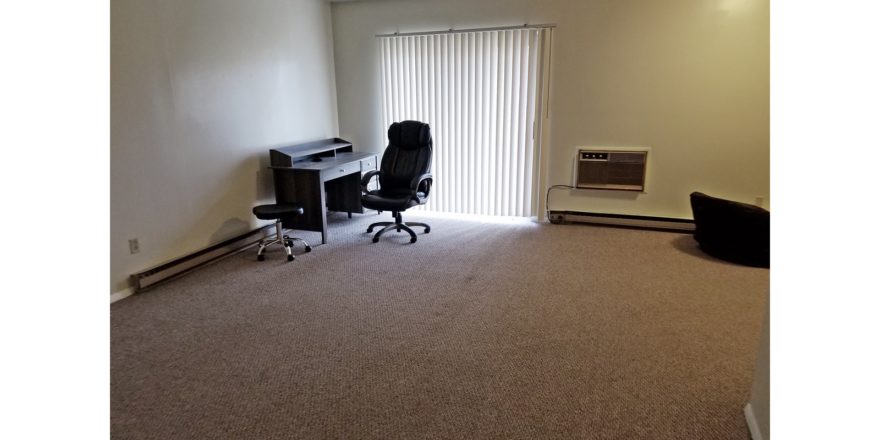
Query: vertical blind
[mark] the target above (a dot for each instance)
(479, 92)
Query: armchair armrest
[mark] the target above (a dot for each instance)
(365, 180)
(421, 184)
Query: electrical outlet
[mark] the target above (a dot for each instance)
(133, 246)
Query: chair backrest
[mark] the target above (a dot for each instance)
(408, 155)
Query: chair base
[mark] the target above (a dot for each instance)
(399, 225)
(284, 240)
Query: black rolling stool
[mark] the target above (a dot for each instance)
(276, 212)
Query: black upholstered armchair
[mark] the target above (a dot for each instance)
(404, 176)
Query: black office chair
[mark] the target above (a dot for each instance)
(277, 211)
(404, 178)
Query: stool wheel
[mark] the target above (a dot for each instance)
(290, 258)
(261, 257)
(412, 240)
(375, 239)
(308, 248)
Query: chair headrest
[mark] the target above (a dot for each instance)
(409, 135)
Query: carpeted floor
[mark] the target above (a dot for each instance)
(477, 331)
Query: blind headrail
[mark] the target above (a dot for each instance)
(459, 31)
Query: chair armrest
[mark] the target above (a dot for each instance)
(421, 183)
(365, 180)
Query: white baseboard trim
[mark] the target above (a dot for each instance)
(754, 429)
(187, 263)
(122, 294)
(634, 221)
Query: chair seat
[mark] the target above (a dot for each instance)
(277, 210)
(389, 202)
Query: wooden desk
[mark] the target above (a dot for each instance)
(321, 176)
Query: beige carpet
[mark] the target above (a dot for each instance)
(477, 331)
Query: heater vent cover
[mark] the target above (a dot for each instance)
(608, 169)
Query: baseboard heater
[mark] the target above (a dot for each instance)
(183, 265)
(631, 221)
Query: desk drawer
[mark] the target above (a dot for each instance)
(340, 170)
(368, 164)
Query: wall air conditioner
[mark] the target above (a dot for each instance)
(611, 169)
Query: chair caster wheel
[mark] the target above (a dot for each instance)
(427, 230)
(412, 240)
(375, 240)
(290, 258)
(308, 248)
(290, 243)
(261, 257)
(369, 230)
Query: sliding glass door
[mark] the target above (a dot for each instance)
(480, 92)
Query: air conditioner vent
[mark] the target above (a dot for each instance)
(618, 170)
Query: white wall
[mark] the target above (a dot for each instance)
(689, 78)
(200, 90)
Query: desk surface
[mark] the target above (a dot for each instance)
(329, 162)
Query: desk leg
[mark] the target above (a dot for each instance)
(321, 209)
(310, 192)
